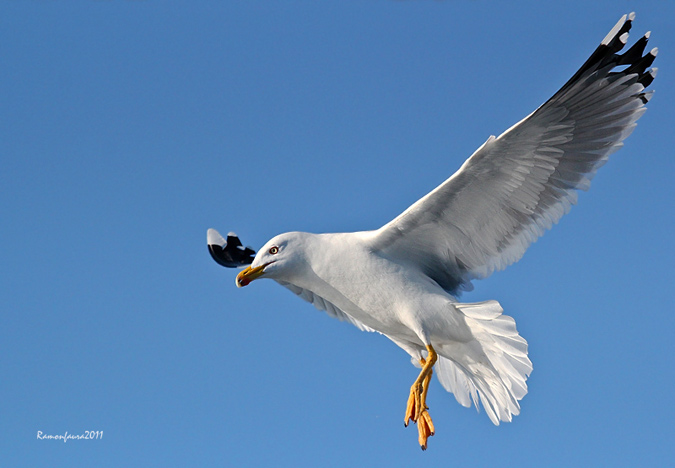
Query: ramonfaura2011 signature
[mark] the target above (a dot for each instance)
(87, 435)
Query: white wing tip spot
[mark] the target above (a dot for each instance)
(614, 30)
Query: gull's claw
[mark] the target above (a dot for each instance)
(425, 428)
(416, 409)
(412, 411)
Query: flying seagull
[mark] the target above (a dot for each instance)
(403, 279)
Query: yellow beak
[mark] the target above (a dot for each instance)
(249, 274)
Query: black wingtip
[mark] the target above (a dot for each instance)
(231, 253)
(606, 60)
(633, 57)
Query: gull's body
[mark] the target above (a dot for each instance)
(354, 290)
(348, 277)
(403, 279)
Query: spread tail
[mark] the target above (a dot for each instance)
(493, 368)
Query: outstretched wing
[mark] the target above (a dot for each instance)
(516, 186)
(228, 252)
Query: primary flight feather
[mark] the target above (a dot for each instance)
(402, 280)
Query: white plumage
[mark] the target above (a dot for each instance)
(402, 279)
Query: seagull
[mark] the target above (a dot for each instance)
(403, 280)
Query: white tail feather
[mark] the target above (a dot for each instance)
(495, 366)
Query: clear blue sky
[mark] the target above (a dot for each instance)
(127, 128)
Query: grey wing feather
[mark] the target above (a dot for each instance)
(518, 185)
(322, 304)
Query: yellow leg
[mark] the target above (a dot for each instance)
(425, 388)
(416, 409)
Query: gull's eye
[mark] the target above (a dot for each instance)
(274, 250)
